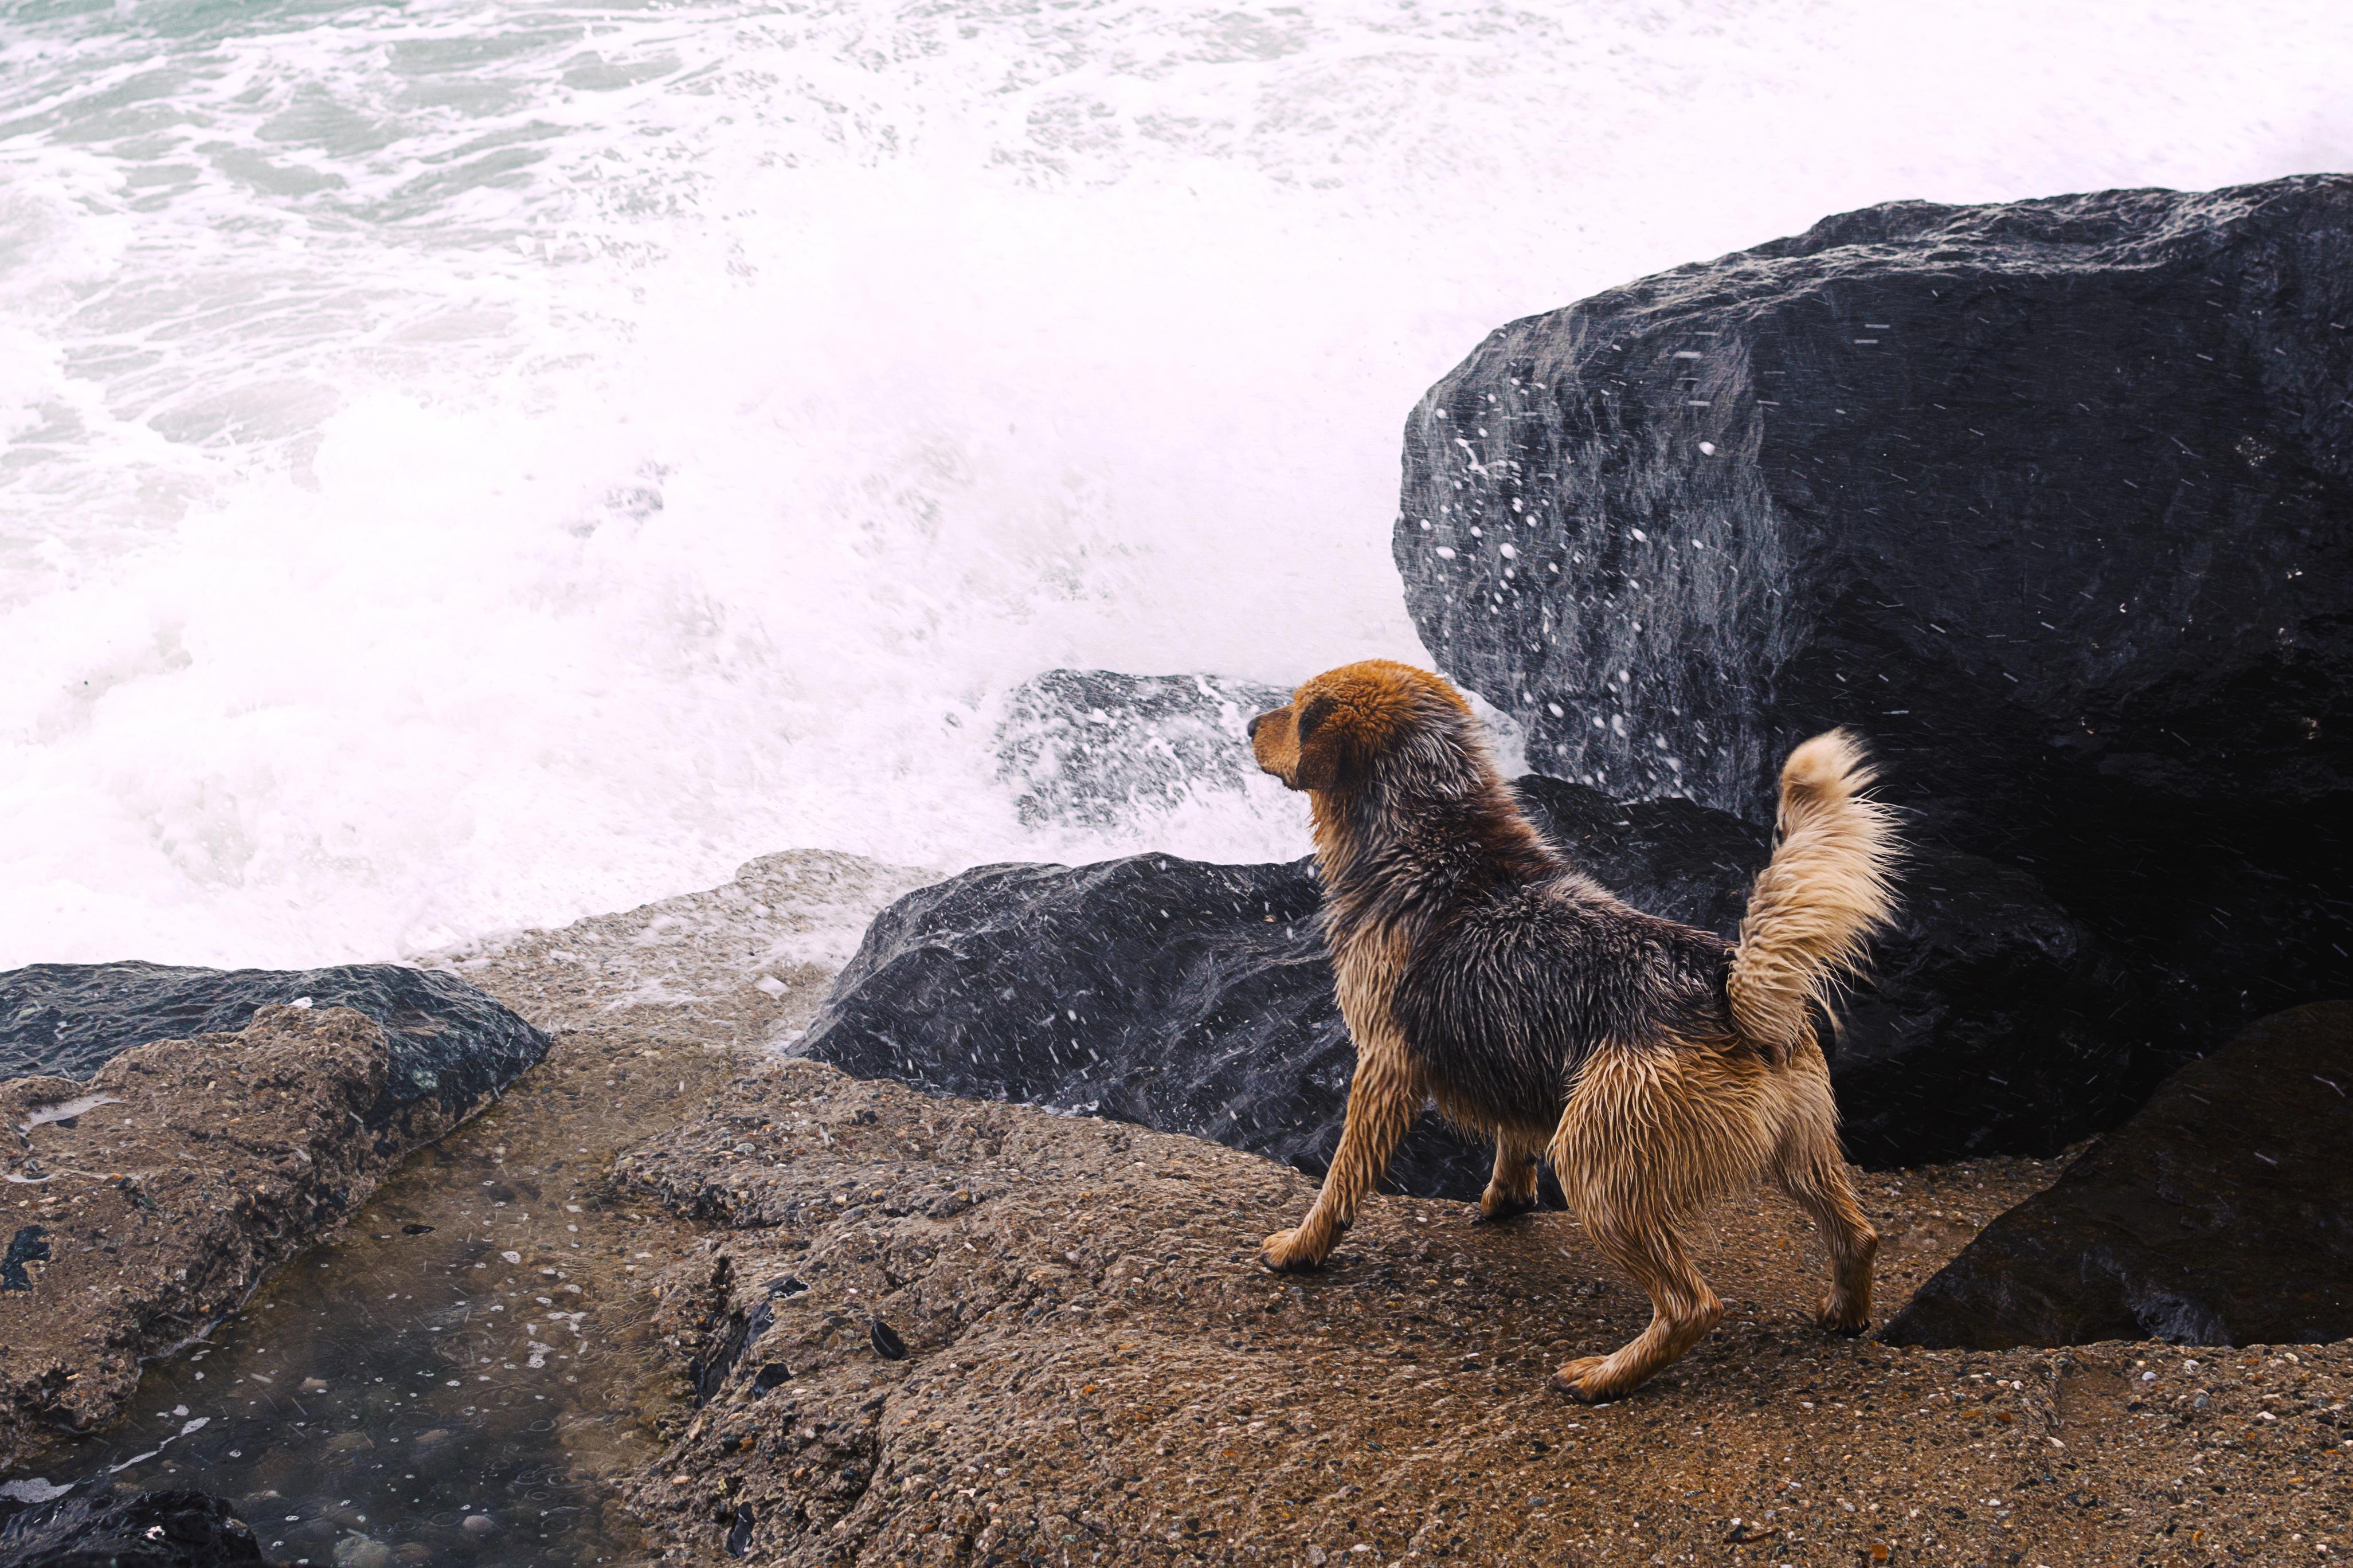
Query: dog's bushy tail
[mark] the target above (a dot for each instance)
(1820, 898)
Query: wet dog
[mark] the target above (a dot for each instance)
(1655, 1065)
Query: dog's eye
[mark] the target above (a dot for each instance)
(1312, 716)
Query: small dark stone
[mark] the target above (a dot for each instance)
(885, 1339)
(415, 1230)
(770, 1377)
(739, 1534)
(29, 1245)
(787, 1286)
(2218, 1215)
(144, 1529)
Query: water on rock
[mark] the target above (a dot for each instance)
(464, 1371)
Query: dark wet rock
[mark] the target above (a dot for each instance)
(1198, 998)
(1180, 996)
(1093, 747)
(29, 1245)
(1991, 1023)
(2222, 1214)
(449, 1042)
(2047, 499)
(709, 1372)
(149, 1198)
(144, 1529)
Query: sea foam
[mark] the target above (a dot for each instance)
(473, 465)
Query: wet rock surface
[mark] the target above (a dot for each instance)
(143, 1529)
(449, 1042)
(459, 1373)
(1097, 1371)
(2220, 1214)
(1197, 998)
(2046, 500)
(867, 1325)
(1095, 748)
(143, 1204)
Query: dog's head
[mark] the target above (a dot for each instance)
(1348, 725)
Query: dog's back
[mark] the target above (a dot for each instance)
(1508, 991)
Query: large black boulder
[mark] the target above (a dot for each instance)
(1198, 998)
(451, 1043)
(143, 1529)
(2052, 500)
(2219, 1215)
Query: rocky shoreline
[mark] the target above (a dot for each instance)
(1077, 1357)
(858, 1216)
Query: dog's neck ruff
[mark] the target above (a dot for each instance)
(1427, 824)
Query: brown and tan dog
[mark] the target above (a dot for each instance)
(1655, 1066)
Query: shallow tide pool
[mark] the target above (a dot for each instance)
(459, 1376)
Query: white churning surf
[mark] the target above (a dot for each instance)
(473, 464)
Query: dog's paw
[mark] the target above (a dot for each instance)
(1835, 1314)
(1495, 1211)
(1285, 1253)
(1583, 1380)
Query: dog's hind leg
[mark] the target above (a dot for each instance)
(1649, 1138)
(1808, 1166)
(1512, 1191)
(1682, 1308)
(1383, 1101)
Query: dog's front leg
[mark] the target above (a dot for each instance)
(1382, 1103)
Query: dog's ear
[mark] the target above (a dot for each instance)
(1319, 744)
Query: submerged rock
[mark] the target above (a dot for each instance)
(1198, 998)
(1092, 747)
(449, 1042)
(145, 1529)
(149, 1199)
(2222, 1214)
(2046, 500)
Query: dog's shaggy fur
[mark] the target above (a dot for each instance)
(1655, 1065)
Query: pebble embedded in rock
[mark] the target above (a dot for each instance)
(361, 1552)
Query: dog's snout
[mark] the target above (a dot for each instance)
(1251, 728)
